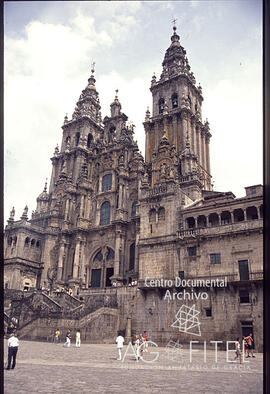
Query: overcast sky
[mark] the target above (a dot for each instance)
(49, 48)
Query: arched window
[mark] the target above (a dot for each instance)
(77, 138)
(133, 209)
(201, 221)
(33, 241)
(14, 240)
(132, 256)
(189, 101)
(9, 240)
(89, 140)
(110, 255)
(105, 213)
(238, 215)
(27, 240)
(174, 100)
(107, 182)
(225, 217)
(38, 244)
(161, 214)
(213, 219)
(152, 215)
(98, 256)
(252, 213)
(190, 222)
(68, 139)
(161, 104)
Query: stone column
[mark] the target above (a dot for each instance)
(156, 130)
(136, 265)
(175, 132)
(117, 254)
(202, 150)
(128, 331)
(193, 137)
(207, 140)
(76, 260)
(198, 135)
(245, 214)
(87, 209)
(82, 261)
(82, 207)
(120, 200)
(60, 262)
(258, 212)
(232, 218)
(52, 182)
(184, 130)
(67, 210)
(87, 276)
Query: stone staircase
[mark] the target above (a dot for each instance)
(39, 314)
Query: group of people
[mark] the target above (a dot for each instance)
(140, 345)
(247, 346)
(68, 338)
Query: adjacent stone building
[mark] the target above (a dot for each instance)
(120, 231)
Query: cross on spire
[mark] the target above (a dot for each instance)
(116, 93)
(173, 21)
(93, 67)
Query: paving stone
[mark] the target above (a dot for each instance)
(48, 368)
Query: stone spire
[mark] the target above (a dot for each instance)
(12, 215)
(44, 196)
(147, 115)
(115, 106)
(175, 61)
(88, 103)
(25, 212)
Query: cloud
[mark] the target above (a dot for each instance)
(47, 67)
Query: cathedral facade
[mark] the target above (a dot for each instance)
(128, 235)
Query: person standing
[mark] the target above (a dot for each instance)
(68, 339)
(78, 338)
(57, 336)
(250, 343)
(13, 346)
(120, 341)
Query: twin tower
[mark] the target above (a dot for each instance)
(105, 202)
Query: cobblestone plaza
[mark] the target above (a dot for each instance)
(48, 368)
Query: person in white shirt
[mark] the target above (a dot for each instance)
(13, 345)
(119, 340)
(78, 338)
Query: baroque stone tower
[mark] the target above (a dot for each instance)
(177, 122)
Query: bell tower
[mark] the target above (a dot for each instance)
(177, 115)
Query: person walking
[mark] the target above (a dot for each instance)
(137, 347)
(145, 344)
(238, 352)
(78, 338)
(13, 346)
(68, 339)
(120, 341)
